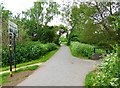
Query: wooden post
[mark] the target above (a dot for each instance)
(94, 50)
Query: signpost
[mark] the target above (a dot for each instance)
(15, 52)
(12, 29)
(10, 53)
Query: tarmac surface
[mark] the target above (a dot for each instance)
(62, 69)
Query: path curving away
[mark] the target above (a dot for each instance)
(62, 69)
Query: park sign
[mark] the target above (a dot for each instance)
(12, 30)
(12, 27)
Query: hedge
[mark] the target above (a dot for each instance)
(85, 50)
(28, 51)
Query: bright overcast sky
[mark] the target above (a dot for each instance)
(17, 6)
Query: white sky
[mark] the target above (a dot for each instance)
(17, 6)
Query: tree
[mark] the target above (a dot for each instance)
(103, 11)
(35, 21)
(115, 22)
(6, 15)
(92, 19)
(52, 10)
(82, 24)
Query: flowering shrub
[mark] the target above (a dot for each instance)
(107, 74)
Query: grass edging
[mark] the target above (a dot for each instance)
(41, 59)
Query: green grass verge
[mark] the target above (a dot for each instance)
(5, 75)
(41, 59)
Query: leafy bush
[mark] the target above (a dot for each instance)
(5, 57)
(63, 40)
(107, 74)
(51, 46)
(81, 49)
(28, 51)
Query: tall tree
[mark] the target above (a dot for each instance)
(66, 14)
(6, 15)
(37, 18)
(86, 15)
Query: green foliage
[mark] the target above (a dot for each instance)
(85, 50)
(107, 74)
(91, 25)
(63, 40)
(32, 67)
(116, 21)
(28, 51)
(5, 54)
(37, 24)
(83, 27)
(44, 58)
(80, 49)
(51, 46)
(46, 34)
(74, 37)
(116, 25)
(5, 15)
(88, 82)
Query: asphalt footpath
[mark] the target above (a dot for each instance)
(62, 69)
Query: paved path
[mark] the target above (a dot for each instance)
(61, 70)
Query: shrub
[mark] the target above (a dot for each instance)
(85, 50)
(28, 51)
(5, 60)
(80, 49)
(107, 74)
(51, 46)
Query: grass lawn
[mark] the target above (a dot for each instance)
(41, 59)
